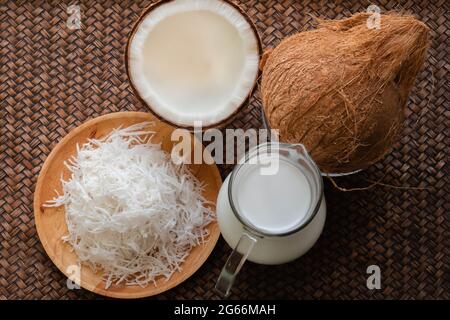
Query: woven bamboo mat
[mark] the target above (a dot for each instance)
(52, 79)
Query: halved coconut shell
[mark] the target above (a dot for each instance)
(156, 110)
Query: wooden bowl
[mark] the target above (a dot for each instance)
(51, 224)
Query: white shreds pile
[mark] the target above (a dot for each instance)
(129, 210)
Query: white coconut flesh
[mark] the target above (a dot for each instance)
(194, 60)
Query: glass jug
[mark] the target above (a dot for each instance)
(290, 180)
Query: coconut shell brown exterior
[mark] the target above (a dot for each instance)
(341, 89)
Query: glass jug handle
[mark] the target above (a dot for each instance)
(234, 263)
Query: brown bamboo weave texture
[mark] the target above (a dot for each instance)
(52, 79)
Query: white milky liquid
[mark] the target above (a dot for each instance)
(275, 203)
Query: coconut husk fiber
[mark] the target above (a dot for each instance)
(341, 88)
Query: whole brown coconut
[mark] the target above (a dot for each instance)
(341, 89)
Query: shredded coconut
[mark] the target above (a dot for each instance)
(129, 210)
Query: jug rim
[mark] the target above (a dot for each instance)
(279, 146)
